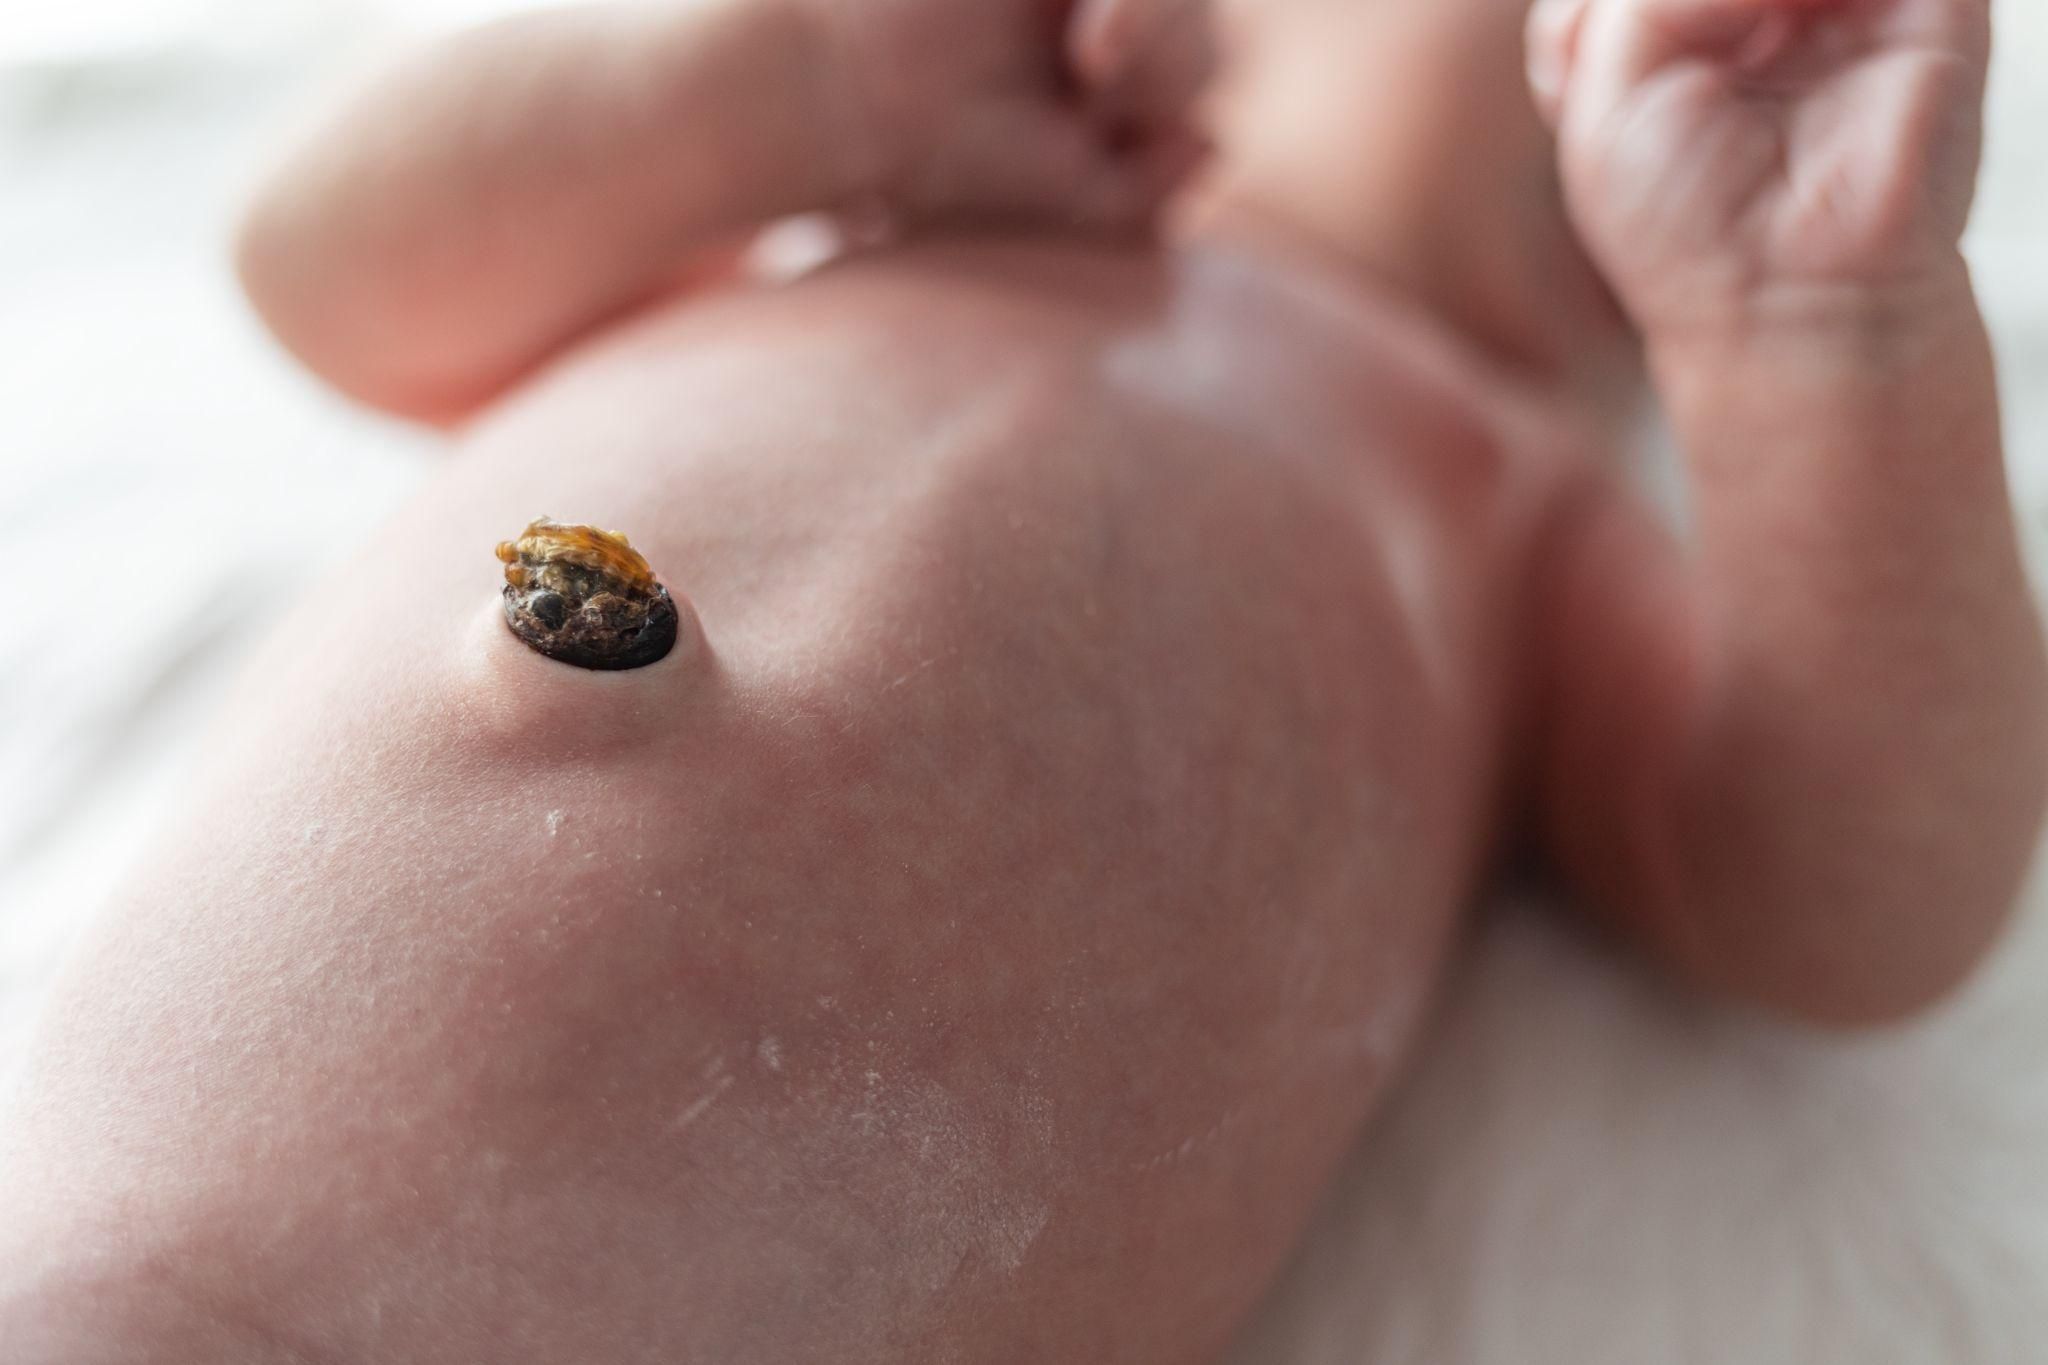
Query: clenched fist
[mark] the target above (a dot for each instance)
(1069, 111)
(1735, 162)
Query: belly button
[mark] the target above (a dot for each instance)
(586, 597)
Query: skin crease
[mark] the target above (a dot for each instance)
(1111, 671)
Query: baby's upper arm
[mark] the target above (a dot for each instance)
(1619, 685)
(500, 196)
(1761, 845)
(497, 196)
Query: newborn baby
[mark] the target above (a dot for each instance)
(1106, 670)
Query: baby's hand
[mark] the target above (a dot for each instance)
(1731, 162)
(1053, 110)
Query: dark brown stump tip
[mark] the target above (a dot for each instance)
(586, 597)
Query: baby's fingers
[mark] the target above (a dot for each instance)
(1553, 49)
(1620, 43)
(1143, 62)
(1614, 46)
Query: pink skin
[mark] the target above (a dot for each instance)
(979, 941)
(979, 947)
(572, 155)
(1774, 758)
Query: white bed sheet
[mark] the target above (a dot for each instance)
(1582, 1168)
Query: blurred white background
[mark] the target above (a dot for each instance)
(1664, 1184)
(100, 30)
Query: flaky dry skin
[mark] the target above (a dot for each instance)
(586, 597)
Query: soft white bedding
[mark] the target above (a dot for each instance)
(1582, 1169)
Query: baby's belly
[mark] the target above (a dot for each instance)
(1030, 644)
(1035, 868)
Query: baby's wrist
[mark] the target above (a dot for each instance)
(1889, 377)
(863, 136)
(791, 143)
(1861, 331)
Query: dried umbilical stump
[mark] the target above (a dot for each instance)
(586, 597)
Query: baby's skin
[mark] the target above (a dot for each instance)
(1107, 672)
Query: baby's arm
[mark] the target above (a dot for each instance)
(1804, 761)
(505, 192)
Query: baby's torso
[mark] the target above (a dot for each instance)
(1215, 556)
(1118, 655)
(1090, 459)
(1037, 868)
